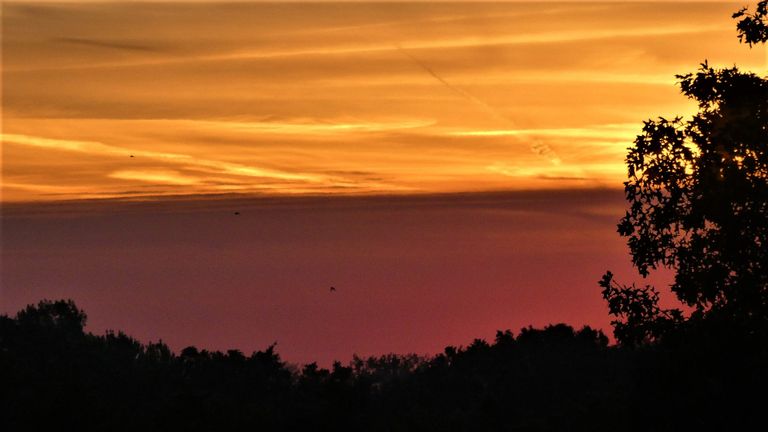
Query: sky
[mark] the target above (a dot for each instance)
(454, 168)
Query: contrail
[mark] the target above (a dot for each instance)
(463, 93)
(538, 147)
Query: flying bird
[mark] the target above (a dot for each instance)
(131, 155)
(333, 289)
(237, 213)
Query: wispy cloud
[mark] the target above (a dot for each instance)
(582, 171)
(608, 131)
(189, 162)
(156, 176)
(303, 128)
(533, 38)
(96, 43)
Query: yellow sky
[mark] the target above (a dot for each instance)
(340, 98)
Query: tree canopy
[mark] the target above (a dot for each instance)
(56, 375)
(698, 202)
(752, 27)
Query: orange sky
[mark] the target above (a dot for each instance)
(353, 98)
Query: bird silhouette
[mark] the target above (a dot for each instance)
(131, 155)
(237, 213)
(333, 289)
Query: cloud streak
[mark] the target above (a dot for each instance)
(105, 44)
(534, 38)
(189, 162)
(609, 131)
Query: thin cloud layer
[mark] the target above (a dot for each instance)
(358, 98)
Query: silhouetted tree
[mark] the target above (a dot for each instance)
(752, 27)
(698, 195)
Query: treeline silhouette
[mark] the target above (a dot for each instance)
(54, 374)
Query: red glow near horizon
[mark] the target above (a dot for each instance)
(412, 274)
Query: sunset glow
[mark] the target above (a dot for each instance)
(339, 98)
(203, 172)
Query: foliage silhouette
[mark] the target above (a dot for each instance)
(56, 374)
(752, 27)
(698, 194)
